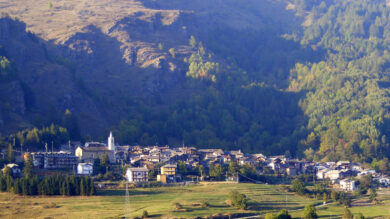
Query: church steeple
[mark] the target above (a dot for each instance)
(111, 142)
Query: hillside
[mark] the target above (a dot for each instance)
(303, 77)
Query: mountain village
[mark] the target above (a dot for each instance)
(137, 162)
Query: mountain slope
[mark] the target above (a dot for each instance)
(302, 77)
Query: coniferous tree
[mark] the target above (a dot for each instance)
(82, 187)
(92, 190)
(28, 166)
(10, 153)
(347, 214)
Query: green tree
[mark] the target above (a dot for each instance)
(6, 171)
(283, 214)
(238, 200)
(372, 196)
(172, 52)
(182, 169)
(145, 214)
(10, 154)
(104, 163)
(200, 170)
(6, 70)
(310, 212)
(325, 197)
(334, 195)
(365, 183)
(217, 171)
(82, 187)
(192, 41)
(160, 46)
(28, 166)
(92, 190)
(233, 168)
(298, 186)
(347, 214)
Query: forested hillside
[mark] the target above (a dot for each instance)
(347, 93)
(301, 78)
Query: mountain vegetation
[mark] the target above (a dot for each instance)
(312, 82)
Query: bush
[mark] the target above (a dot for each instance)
(310, 212)
(298, 186)
(177, 206)
(51, 205)
(238, 200)
(358, 216)
(145, 214)
(283, 214)
(205, 204)
(347, 214)
(344, 199)
(270, 216)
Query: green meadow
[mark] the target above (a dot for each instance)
(159, 202)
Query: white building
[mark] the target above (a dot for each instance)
(321, 173)
(333, 174)
(348, 185)
(111, 142)
(15, 170)
(85, 168)
(384, 181)
(139, 174)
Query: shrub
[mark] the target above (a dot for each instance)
(177, 206)
(270, 216)
(283, 214)
(51, 205)
(238, 200)
(347, 214)
(298, 186)
(145, 214)
(205, 204)
(310, 212)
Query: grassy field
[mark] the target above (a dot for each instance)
(159, 202)
(369, 210)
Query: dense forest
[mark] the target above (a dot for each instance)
(335, 106)
(318, 90)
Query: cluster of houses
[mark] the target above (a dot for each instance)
(143, 159)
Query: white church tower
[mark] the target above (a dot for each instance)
(111, 142)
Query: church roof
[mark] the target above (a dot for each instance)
(96, 149)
